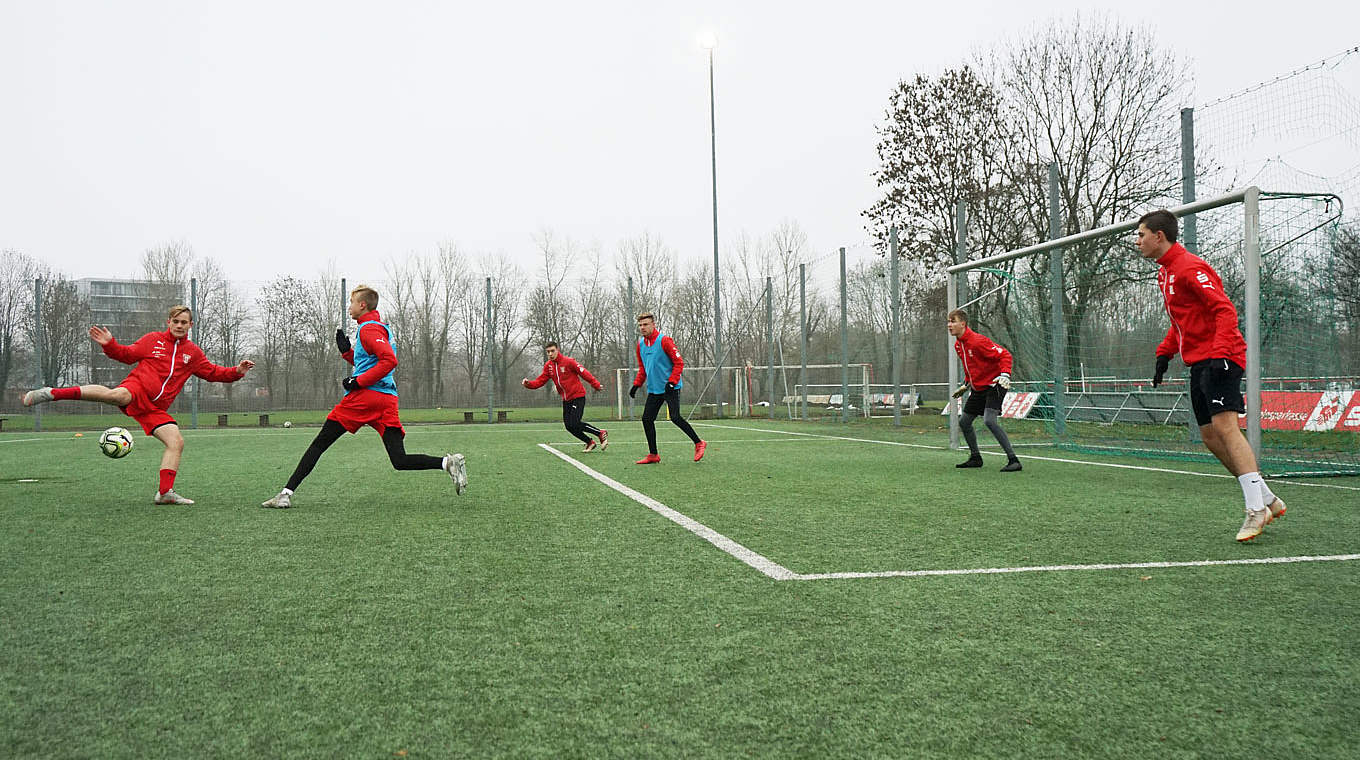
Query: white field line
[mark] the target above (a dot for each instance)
(1060, 568)
(764, 565)
(1273, 482)
(613, 441)
(780, 573)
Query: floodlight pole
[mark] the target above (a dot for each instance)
(1055, 294)
(717, 291)
(198, 384)
(845, 347)
(490, 371)
(629, 331)
(802, 331)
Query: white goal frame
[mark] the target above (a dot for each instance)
(1250, 198)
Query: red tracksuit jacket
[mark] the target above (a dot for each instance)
(1203, 318)
(983, 360)
(566, 374)
(164, 364)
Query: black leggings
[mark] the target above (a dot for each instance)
(672, 401)
(393, 440)
(571, 419)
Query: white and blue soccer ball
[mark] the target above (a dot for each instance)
(115, 442)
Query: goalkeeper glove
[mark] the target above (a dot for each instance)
(962, 389)
(1163, 362)
(351, 384)
(1004, 380)
(342, 341)
(670, 387)
(632, 392)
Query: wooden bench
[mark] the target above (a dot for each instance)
(221, 420)
(264, 420)
(502, 415)
(2, 421)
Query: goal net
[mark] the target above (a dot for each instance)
(1087, 359)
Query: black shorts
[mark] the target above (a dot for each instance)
(1215, 387)
(980, 401)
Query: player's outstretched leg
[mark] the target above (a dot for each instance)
(966, 427)
(330, 433)
(394, 440)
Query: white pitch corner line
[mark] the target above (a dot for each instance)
(1143, 468)
(763, 564)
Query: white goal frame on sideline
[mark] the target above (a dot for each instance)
(1250, 198)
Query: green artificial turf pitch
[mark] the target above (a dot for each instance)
(545, 614)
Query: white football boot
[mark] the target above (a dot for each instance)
(456, 466)
(39, 396)
(170, 497)
(283, 501)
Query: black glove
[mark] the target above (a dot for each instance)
(1162, 363)
(342, 341)
(351, 384)
(670, 387)
(632, 392)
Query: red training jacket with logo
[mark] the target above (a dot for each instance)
(1203, 318)
(164, 364)
(566, 374)
(983, 360)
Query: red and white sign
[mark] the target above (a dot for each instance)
(1315, 411)
(1016, 406)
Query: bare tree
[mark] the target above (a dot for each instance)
(167, 268)
(282, 320)
(1102, 101)
(16, 304)
(62, 338)
(549, 308)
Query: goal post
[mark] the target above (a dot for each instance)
(1112, 318)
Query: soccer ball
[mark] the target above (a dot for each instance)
(288, 424)
(115, 442)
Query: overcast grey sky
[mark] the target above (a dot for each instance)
(277, 136)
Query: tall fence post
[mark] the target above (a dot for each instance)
(344, 306)
(1189, 231)
(951, 300)
(896, 338)
(490, 352)
(37, 349)
(961, 248)
(769, 330)
(1055, 291)
(845, 346)
(198, 382)
(1252, 253)
(628, 325)
(802, 330)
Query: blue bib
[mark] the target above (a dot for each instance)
(657, 365)
(364, 361)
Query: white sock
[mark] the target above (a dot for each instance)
(1267, 495)
(1252, 483)
(287, 491)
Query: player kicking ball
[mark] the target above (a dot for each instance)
(370, 399)
(987, 374)
(659, 368)
(566, 374)
(164, 361)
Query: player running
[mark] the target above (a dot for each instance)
(1204, 332)
(659, 367)
(987, 373)
(370, 399)
(164, 361)
(566, 374)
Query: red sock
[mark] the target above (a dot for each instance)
(167, 480)
(66, 394)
